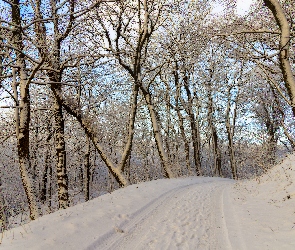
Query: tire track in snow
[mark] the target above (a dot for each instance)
(105, 241)
(232, 224)
(224, 233)
(182, 218)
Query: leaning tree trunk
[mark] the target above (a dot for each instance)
(285, 65)
(128, 146)
(157, 134)
(87, 125)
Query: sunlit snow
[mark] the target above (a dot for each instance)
(184, 213)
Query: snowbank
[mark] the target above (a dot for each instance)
(266, 207)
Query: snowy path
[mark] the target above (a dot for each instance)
(189, 217)
(195, 213)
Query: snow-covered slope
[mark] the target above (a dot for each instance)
(266, 208)
(186, 213)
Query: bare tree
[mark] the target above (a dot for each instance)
(147, 17)
(21, 80)
(212, 128)
(230, 123)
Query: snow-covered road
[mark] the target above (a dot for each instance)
(185, 213)
(186, 217)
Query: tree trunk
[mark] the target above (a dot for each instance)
(163, 155)
(3, 217)
(217, 153)
(45, 179)
(46, 176)
(181, 127)
(22, 128)
(23, 145)
(186, 144)
(88, 128)
(271, 143)
(168, 119)
(117, 172)
(230, 134)
(87, 171)
(55, 76)
(285, 65)
(194, 129)
(62, 177)
(49, 180)
(289, 136)
(128, 147)
(34, 159)
(181, 124)
(216, 150)
(231, 152)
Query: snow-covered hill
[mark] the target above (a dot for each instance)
(187, 213)
(266, 208)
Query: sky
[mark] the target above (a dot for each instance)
(242, 7)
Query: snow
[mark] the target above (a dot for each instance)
(184, 213)
(266, 208)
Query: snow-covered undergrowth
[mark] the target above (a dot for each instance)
(186, 213)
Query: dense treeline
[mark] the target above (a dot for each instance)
(97, 95)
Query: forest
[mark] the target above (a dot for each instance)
(101, 94)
